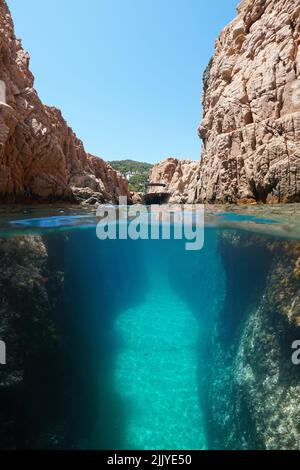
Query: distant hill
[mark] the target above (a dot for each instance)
(131, 166)
(136, 173)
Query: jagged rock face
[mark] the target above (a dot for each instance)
(253, 399)
(251, 124)
(99, 183)
(137, 197)
(31, 337)
(180, 178)
(40, 156)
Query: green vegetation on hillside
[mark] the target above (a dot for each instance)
(126, 166)
(137, 173)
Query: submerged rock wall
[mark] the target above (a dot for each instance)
(251, 124)
(54, 299)
(41, 158)
(252, 387)
(30, 292)
(42, 324)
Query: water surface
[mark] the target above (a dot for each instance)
(134, 320)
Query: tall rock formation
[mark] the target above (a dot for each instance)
(251, 124)
(40, 156)
(180, 178)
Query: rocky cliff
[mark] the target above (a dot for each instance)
(40, 156)
(251, 124)
(179, 176)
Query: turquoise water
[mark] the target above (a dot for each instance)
(134, 321)
(147, 327)
(156, 370)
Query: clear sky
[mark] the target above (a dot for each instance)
(127, 74)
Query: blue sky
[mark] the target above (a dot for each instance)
(127, 74)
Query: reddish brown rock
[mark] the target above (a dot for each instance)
(180, 178)
(40, 156)
(137, 197)
(251, 124)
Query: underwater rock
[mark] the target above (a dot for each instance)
(27, 327)
(255, 397)
(41, 158)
